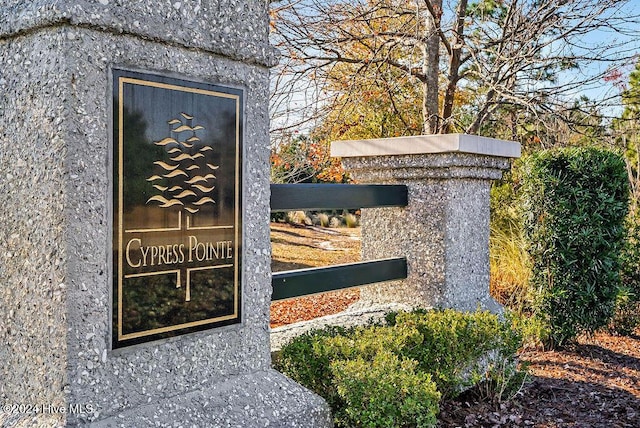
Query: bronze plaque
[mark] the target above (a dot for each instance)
(177, 206)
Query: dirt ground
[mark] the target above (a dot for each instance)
(594, 384)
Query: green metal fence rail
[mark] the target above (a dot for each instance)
(302, 282)
(292, 197)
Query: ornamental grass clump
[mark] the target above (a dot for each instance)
(510, 267)
(324, 219)
(351, 220)
(296, 217)
(575, 203)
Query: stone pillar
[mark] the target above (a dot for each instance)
(56, 202)
(444, 230)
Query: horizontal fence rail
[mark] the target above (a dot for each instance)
(293, 197)
(302, 282)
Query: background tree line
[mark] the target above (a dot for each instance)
(513, 69)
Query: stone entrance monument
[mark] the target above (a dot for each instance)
(444, 230)
(134, 182)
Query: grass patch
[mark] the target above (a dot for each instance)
(303, 247)
(510, 267)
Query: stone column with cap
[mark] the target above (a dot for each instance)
(444, 230)
(57, 180)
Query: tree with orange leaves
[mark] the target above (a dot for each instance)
(388, 67)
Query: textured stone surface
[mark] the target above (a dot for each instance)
(234, 28)
(353, 316)
(246, 401)
(33, 346)
(55, 202)
(443, 232)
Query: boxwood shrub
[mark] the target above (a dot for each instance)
(393, 375)
(575, 203)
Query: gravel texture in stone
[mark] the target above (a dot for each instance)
(55, 202)
(234, 28)
(443, 232)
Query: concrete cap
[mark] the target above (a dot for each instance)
(423, 144)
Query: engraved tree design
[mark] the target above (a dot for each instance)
(186, 179)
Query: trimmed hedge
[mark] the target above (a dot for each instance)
(575, 203)
(627, 314)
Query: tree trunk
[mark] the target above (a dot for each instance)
(454, 69)
(430, 68)
(484, 112)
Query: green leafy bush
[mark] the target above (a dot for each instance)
(626, 317)
(457, 348)
(533, 330)
(575, 202)
(385, 392)
(393, 375)
(307, 358)
(627, 313)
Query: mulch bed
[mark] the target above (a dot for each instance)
(308, 308)
(596, 383)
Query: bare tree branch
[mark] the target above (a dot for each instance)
(533, 56)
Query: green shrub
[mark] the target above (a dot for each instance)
(458, 348)
(575, 202)
(627, 313)
(533, 330)
(392, 375)
(385, 392)
(307, 358)
(630, 256)
(626, 317)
